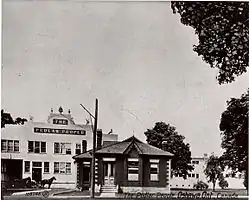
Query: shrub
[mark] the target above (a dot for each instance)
(200, 185)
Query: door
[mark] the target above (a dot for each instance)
(36, 174)
(109, 171)
(86, 176)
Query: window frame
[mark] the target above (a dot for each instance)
(37, 147)
(63, 148)
(5, 142)
(156, 163)
(10, 146)
(77, 148)
(63, 168)
(55, 167)
(46, 168)
(27, 166)
(134, 167)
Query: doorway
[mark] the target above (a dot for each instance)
(86, 175)
(37, 171)
(11, 169)
(109, 171)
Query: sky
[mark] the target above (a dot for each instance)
(135, 57)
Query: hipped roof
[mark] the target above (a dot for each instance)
(124, 147)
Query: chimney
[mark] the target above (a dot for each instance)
(164, 145)
(99, 139)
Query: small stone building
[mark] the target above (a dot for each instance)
(130, 165)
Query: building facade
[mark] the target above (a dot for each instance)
(235, 181)
(43, 150)
(130, 165)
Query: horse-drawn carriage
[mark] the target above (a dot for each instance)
(28, 183)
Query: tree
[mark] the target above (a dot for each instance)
(166, 137)
(6, 118)
(234, 132)
(222, 182)
(213, 170)
(223, 32)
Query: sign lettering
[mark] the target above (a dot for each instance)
(59, 131)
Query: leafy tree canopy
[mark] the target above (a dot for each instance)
(223, 32)
(213, 170)
(6, 118)
(234, 132)
(167, 138)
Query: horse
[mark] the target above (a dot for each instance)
(47, 181)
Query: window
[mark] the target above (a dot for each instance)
(68, 168)
(62, 168)
(46, 167)
(36, 147)
(16, 146)
(56, 147)
(30, 146)
(133, 169)
(154, 169)
(43, 147)
(62, 148)
(78, 148)
(197, 175)
(189, 175)
(56, 168)
(193, 175)
(195, 162)
(26, 166)
(4, 145)
(84, 146)
(10, 146)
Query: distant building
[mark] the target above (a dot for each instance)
(177, 182)
(42, 150)
(131, 165)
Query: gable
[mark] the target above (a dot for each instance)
(132, 150)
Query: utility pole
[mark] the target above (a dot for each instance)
(93, 151)
(94, 146)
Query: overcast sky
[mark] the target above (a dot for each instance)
(135, 57)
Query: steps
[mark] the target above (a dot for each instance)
(108, 190)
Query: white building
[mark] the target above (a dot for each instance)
(43, 150)
(234, 181)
